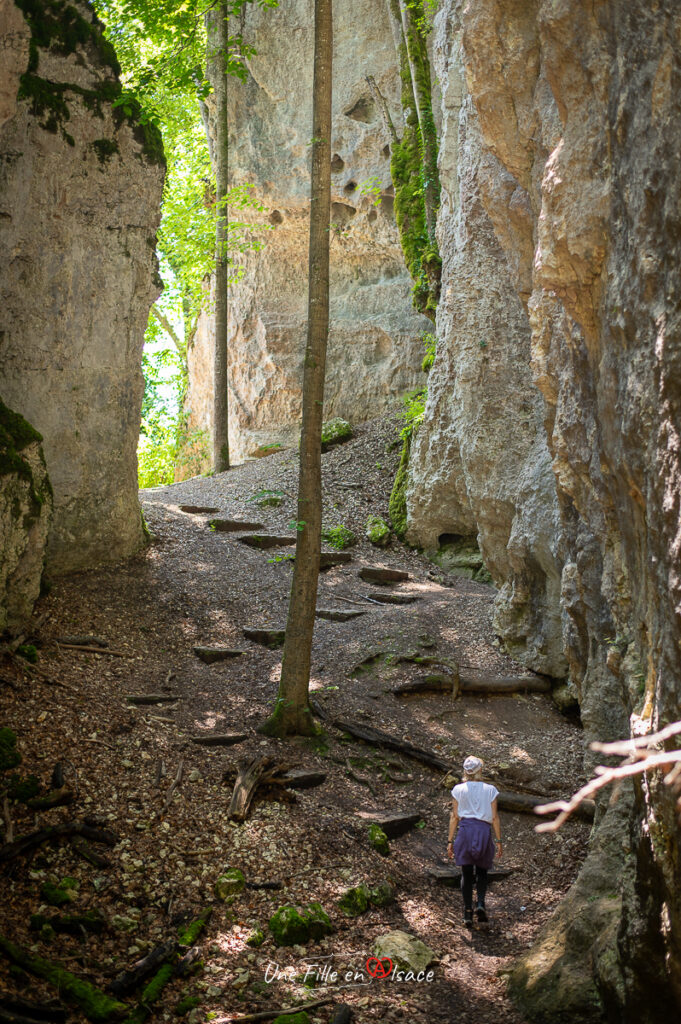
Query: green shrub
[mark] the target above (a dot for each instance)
(339, 537)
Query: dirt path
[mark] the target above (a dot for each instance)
(196, 586)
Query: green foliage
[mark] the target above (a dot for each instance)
(372, 187)
(430, 342)
(379, 840)
(377, 531)
(335, 432)
(397, 505)
(22, 788)
(28, 652)
(412, 414)
(339, 537)
(9, 755)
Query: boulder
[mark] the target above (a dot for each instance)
(406, 951)
(294, 926)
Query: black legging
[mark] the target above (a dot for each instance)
(468, 873)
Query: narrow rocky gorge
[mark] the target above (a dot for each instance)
(551, 435)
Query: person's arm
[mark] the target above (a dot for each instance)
(496, 827)
(453, 823)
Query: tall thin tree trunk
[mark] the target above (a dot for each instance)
(291, 713)
(217, 50)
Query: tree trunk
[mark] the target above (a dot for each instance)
(291, 713)
(217, 25)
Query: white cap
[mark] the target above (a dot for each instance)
(472, 765)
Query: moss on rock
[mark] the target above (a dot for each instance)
(377, 531)
(229, 884)
(379, 840)
(291, 926)
(335, 432)
(397, 506)
(354, 901)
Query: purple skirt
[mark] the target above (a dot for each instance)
(474, 843)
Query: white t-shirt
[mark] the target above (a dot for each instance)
(474, 799)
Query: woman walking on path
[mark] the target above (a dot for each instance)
(474, 810)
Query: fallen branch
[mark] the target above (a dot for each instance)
(56, 798)
(94, 1003)
(126, 981)
(260, 771)
(173, 786)
(7, 818)
(47, 835)
(280, 1012)
(84, 850)
(523, 803)
(376, 737)
(52, 1011)
(93, 650)
(604, 777)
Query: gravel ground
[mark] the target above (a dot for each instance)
(197, 586)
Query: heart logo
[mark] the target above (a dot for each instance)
(379, 967)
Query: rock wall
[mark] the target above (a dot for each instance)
(80, 187)
(375, 340)
(552, 426)
(25, 514)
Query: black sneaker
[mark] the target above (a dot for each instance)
(481, 914)
(468, 918)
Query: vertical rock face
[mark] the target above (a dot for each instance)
(552, 426)
(375, 341)
(25, 513)
(80, 187)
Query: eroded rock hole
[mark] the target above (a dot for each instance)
(371, 216)
(386, 151)
(275, 217)
(337, 164)
(363, 110)
(342, 214)
(387, 206)
(350, 187)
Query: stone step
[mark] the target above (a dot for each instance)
(152, 698)
(233, 525)
(266, 637)
(302, 778)
(384, 577)
(393, 823)
(451, 876)
(388, 598)
(217, 739)
(339, 614)
(261, 541)
(198, 510)
(211, 655)
(329, 559)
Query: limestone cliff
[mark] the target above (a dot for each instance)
(552, 426)
(80, 186)
(375, 346)
(25, 514)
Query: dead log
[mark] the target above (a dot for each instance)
(384, 577)
(190, 962)
(378, 738)
(436, 683)
(264, 541)
(484, 682)
(233, 525)
(26, 843)
(215, 739)
(57, 780)
(13, 1017)
(196, 510)
(126, 981)
(250, 1018)
(173, 786)
(84, 850)
(56, 798)
(91, 922)
(52, 1011)
(252, 774)
(523, 803)
(96, 1006)
(330, 559)
(82, 641)
(93, 650)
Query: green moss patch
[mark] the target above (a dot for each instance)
(291, 926)
(379, 840)
(397, 504)
(377, 531)
(9, 755)
(229, 884)
(335, 431)
(355, 901)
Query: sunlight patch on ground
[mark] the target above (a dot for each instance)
(522, 755)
